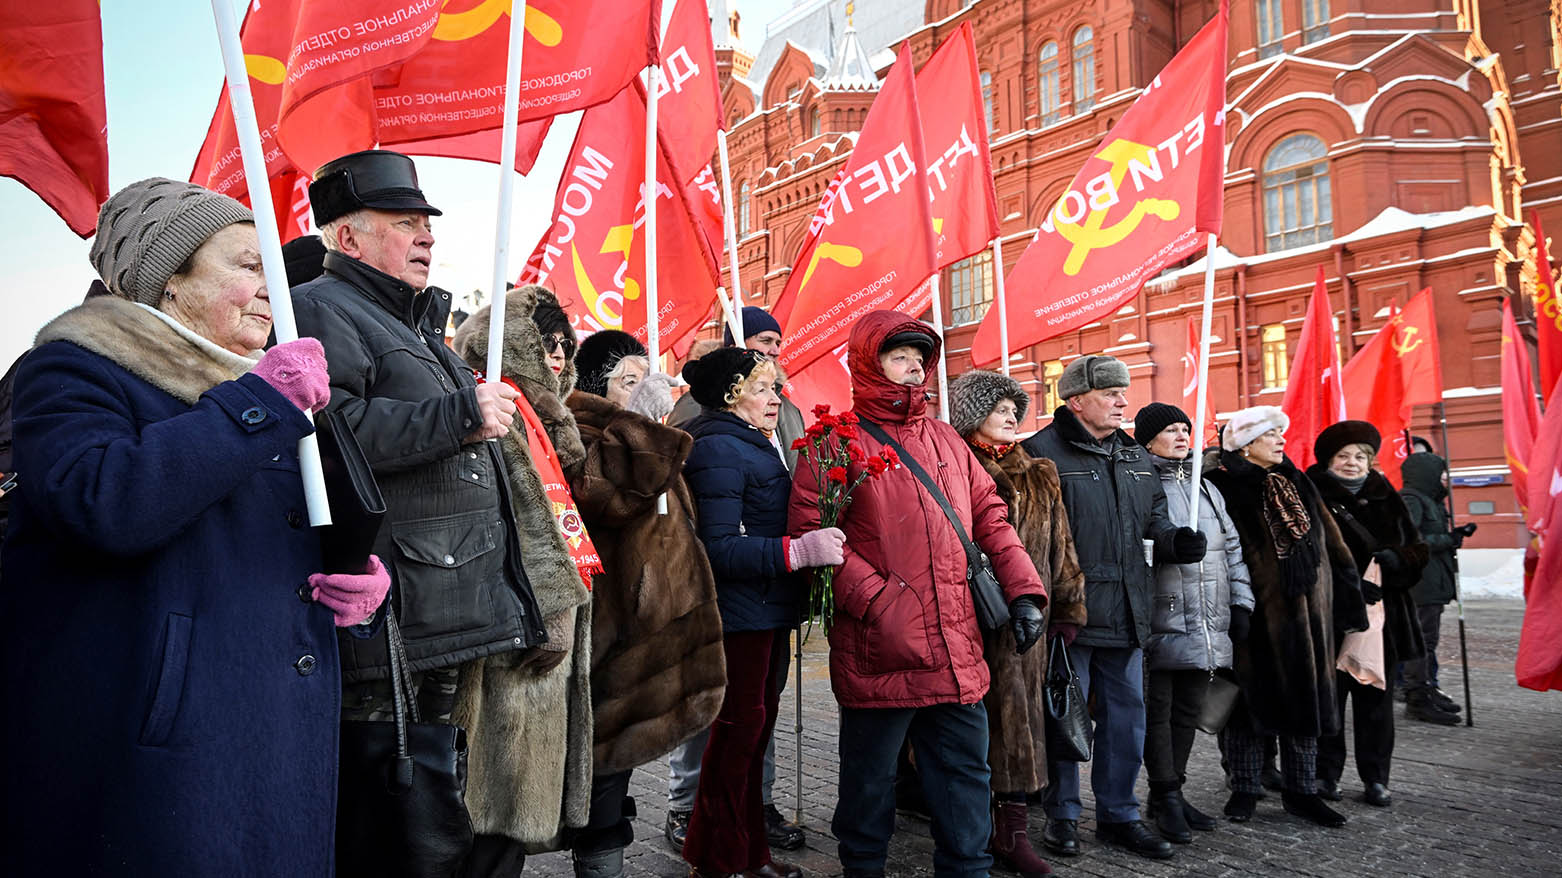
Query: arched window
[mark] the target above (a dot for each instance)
(1271, 27)
(1298, 209)
(743, 209)
(1084, 69)
(987, 100)
(813, 122)
(1051, 96)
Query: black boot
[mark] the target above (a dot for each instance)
(1419, 705)
(1309, 806)
(1166, 810)
(1197, 819)
(1239, 808)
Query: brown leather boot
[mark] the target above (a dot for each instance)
(1011, 845)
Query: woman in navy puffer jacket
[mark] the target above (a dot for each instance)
(741, 486)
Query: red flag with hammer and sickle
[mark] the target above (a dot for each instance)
(1399, 368)
(1314, 394)
(1147, 198)
(1548, 316)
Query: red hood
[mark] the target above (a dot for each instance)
(874, 396)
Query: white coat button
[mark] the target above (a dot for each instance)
(450, 561)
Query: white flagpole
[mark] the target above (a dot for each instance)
(1199, 408)
(255, 177)
(1001, 301)
(512, 86)
(653, 335)
(943, 368)
(735, 315)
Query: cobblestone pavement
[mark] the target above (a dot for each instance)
(1475, 801)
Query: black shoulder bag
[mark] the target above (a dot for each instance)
(400, 807)
(357, 508)
(992, 611)
(1067, 718)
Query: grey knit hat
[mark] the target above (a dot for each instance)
(974, 395)
(148, 229)
(1092, 373)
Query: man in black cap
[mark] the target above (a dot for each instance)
(449, 535)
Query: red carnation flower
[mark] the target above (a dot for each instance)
(848, 417)
(837, 474)
(876, 466)
(846, 431)
(856, 453)
(799, 444)
(821, 410)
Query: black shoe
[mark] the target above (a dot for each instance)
(1329, 789)
(782, 834)
(1423, 709)
(677, 828)
(1239, 808)
(1311, 807)
(1271, 779)
(1170, 821)
(1136, 837)
(1441, 700)
(1378, 794)
(1061, 837)
(1197, 819)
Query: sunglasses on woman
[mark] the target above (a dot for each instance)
(558, 342)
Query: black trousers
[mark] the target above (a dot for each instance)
(1373, 713)
(1172, 701)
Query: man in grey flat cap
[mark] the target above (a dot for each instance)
(1115, 504)
(449, 537)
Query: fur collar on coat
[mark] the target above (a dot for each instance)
(528, 715)
(658, 671)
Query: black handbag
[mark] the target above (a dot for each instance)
(1068, 719)
(992, 611)
(1220, 699)
(357, 508)
(400, 806)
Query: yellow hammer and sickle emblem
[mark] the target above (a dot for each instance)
(1093, 233)
(1405, 340)
(456, 26)
(619, 239)
(844, 254)
(1546, 304)
(264, 68)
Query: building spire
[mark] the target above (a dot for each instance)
(849, 65)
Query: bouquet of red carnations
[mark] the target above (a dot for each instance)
(830, 448)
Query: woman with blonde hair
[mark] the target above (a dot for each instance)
(741, 485)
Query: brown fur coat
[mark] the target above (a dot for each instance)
(658, 672)
(528, 714)
(1017, 749)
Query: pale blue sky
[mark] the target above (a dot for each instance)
(163, 75)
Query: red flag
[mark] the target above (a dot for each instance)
(688, 97)
(357, 75)
(876, 244)
(484, 146)
(53, 124)
(1314, 394)
(1397, 369)
(703, 196)
(959, 170)
(1539, 664)
(593, 255)
(1548, 317)
(1520, 413)
(781, 308)
(1190, 387)
(1160, 175)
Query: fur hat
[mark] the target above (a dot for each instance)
(712, 376)
(599, 354)
(548, 316)
(755, 321)
(974, 395)
(1336, 436)
(1092, 373)
(1251, 423)
(304, 258)
(149, 229)
(1154, 418)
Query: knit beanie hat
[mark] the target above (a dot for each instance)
(599, 354)
(712, 376)
(1251, 423)
(755, 321)
(148, 229)
(974, 395)
(1092, 373)
(304, 258)
(1337, 436)
(1154, 418)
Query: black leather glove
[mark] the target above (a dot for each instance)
(1371, 592)
(1188, 545)
(1241, 623)
(1025, 618)
(1465, 531)
(1388, 559)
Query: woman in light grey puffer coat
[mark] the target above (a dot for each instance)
(1199, 610)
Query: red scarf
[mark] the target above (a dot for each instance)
(571, 525)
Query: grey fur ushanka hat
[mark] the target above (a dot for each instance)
(974, 395)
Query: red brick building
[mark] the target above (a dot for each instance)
(1400, 144)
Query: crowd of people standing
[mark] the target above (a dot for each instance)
(610, 584)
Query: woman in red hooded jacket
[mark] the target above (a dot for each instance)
(905, 648)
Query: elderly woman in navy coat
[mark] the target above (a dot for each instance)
(170, 660)
(741, 485)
